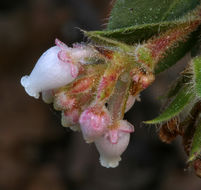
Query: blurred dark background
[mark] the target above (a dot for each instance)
(36, 152)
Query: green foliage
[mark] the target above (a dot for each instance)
(126, 13)
(178, 84)
(197, 75)
(136, 33)
(182, 99)
(196, 144)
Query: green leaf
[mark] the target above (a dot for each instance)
(197, 75)
(178, 84)
(196, 144)
(126, 13)
(134, 21)
(183, 98)
(136, 33)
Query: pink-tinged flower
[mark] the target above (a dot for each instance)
(48, 73)
(113, 144)
(70, 118)
(94, 122)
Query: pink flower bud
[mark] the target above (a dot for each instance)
(113, 143)
(94, 122)
(110, 154)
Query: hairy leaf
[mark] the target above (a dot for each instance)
(197, 75)
(136, 33)
(178, 84)
(196, 144)
(126, 13)
(183, 98)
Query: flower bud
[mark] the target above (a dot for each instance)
(113, 143)
(110, 154)
(94, 122)
(57, 67)
(48, 73)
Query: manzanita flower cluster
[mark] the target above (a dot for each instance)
(93, 87)
(94, 84)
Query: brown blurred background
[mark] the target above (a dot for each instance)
(36, 152)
